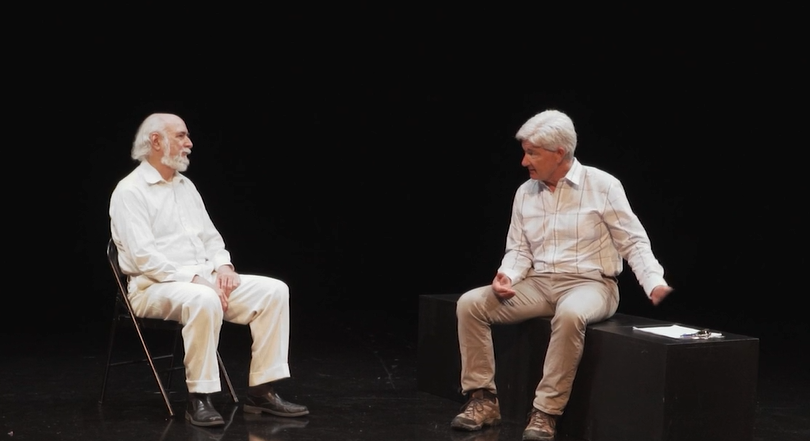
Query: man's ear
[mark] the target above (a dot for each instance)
(561, 152)
(155, 139)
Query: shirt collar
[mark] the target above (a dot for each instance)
(575, 174)
(152, 176)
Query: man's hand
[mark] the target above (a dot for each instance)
(223, 299)
(502, 286)
(227, 279)
(659, 293)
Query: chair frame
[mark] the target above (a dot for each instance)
(123, 313)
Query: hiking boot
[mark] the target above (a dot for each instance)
(480, 410)
(541, 427)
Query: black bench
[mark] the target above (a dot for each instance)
(631, 385)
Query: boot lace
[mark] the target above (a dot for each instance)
(473, 405)
(541, 422)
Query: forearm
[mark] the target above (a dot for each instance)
(631, 240)
(517, 260)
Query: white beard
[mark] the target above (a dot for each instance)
(177, 162)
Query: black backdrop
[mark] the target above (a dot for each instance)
(366, 156)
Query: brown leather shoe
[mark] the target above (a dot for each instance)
(270, 402)
(481, 410)
(201, 412)
(541, 427)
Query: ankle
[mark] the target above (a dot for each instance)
(483, 393)
(260, 389)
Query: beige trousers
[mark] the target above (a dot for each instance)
(260, 302)
(572, 300)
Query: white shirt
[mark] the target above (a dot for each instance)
(585, 225)
(162, 229)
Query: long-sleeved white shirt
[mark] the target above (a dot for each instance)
(585, 225)
(162, 229)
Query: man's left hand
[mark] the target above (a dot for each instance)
(659, 293)
(227, 279)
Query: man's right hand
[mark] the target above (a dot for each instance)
(224, 300)
(502, 286)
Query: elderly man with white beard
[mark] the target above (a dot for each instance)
(179, 269)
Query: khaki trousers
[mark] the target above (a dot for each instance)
(572, 300)
(260, 302)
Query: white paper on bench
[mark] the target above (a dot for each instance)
(674, 331)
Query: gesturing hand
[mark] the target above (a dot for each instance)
(659, 293)
(502, 286)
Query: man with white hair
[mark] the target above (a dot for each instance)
(179, 269)
(571, 228)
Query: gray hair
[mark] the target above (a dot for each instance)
(550, 130)
(142, 145)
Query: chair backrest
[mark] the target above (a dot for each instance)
(124, 308)
(112, 257)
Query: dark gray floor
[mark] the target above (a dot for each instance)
(355, 370)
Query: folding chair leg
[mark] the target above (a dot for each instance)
(227, 378)
(155, 373)
(109, 360)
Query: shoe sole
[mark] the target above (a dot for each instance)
(537, 437)
(471, 428)
(204, 423)
(255, 409)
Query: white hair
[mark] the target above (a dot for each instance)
(142, 145)
(550, 130)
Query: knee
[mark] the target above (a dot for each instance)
(274, 290)
(470, 302)
(281, 291)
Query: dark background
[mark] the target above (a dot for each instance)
(366, 155)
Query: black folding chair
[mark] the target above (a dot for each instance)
(123, 316)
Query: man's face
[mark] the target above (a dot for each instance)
(175, 154)
(540, 162)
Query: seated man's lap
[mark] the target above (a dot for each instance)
(167, 300)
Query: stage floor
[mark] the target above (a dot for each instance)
(356, 370)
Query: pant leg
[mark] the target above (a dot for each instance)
(198, 309)
(477, 310)
(580, 300)
(262, 303)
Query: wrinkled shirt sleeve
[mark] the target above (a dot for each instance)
(631, 239)
(517, 259)
(215, 251)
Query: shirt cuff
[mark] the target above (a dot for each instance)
(650, 284)
(514, 275)
(216, 266)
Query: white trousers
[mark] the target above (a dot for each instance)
(260, 302)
